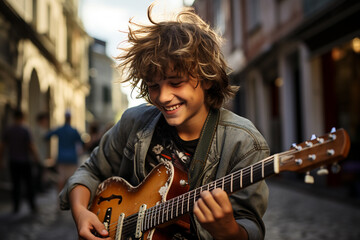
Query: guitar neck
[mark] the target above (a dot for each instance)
(231, 183)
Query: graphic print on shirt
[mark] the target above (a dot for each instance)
(166, 145)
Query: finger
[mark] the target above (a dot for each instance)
(210, 202)
(220, 195)
(93, 232)
(100, 229)
(207, 215)
(198, 213)
(222, 199)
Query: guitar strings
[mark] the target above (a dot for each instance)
(225, 180)
(159, 208)
(155, 211)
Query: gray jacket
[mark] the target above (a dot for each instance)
(122, 152)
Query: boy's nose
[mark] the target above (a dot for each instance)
(165, 94)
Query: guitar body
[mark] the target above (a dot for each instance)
(116, 196)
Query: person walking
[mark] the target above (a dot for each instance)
(68, 141)
(22, 153)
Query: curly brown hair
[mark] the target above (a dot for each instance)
(187, 44)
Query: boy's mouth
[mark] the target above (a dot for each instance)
(172, 108)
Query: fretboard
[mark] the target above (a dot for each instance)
(184, 203)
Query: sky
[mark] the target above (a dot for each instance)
(105, 19)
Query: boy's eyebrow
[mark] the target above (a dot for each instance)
(174, 76)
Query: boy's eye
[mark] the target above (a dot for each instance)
(176, 83)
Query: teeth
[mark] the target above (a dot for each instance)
(172, 108)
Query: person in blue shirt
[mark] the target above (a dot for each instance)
(67, 158)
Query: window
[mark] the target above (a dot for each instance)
(219, 18)
(106, 94)
(252, 15)
(236, 23)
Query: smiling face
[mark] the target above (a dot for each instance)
(180, 98)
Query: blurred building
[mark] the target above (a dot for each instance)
(106, 99)
(43, 61)
(298, 65)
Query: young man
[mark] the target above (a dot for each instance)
(180, 70)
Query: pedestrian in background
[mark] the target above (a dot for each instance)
(41, 129)
(95, 136)
(22, 153)
(68, 141)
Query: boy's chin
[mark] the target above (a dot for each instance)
(173, 122)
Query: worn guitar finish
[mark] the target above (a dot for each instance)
(116, 196)
(163, 200)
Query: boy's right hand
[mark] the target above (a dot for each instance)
(89, 226)
(87, 223)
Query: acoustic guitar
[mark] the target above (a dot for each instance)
(162, 201)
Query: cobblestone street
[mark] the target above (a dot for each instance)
(293, 214)
(48, 223)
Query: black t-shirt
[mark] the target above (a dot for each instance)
(166, 145)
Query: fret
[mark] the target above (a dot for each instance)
(223, 186)
(148, 219)
(152, 223)
(167, 212)
(194, 200)
(188, 202)
(155, 217)
(231, 183)
(262, 169)
(241, 178)
(251, 173)
(177, 207)
(182, 204)
(151, 217)
(172, 209)
(158, 213)
(162, 213)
